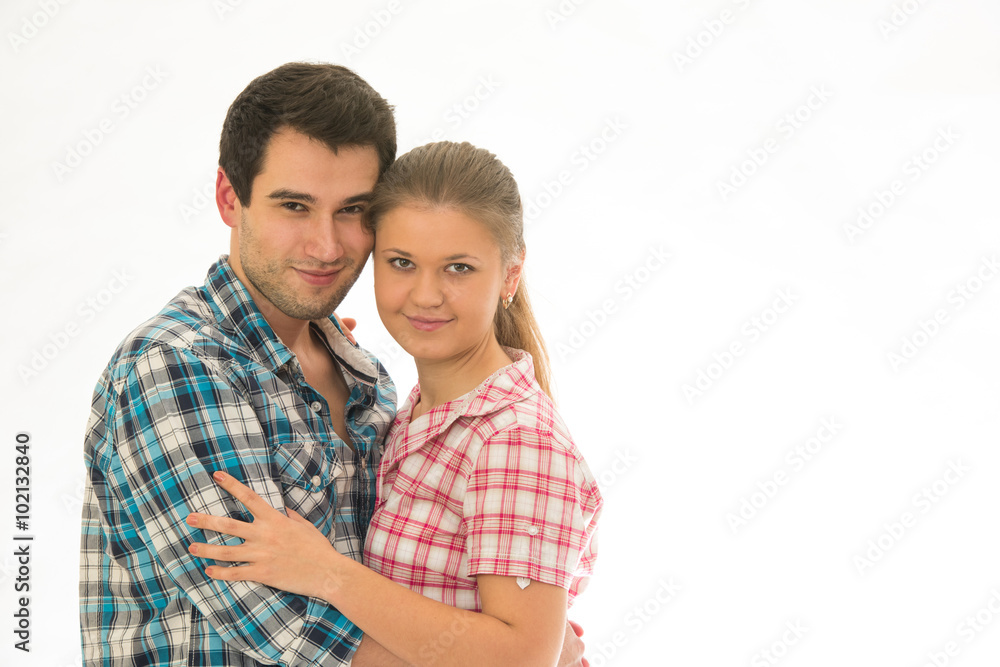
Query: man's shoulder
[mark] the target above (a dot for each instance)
(187, 324)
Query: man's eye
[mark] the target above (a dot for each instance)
(293, 206)
(401, 262)
(459, 268)
(353, 210)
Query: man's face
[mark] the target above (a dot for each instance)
(301, 241)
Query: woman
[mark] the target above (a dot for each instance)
(484, 503)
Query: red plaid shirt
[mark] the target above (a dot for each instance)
(489, 483)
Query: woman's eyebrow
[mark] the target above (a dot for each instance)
(451, 258)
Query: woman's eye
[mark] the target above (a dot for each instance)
(401, 262)
(459, 268)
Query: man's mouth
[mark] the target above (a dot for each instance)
(318, 278)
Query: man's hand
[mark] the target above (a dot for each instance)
(572, 650)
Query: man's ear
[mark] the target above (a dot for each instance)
(226, 199)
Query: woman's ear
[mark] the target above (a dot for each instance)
(513, 277)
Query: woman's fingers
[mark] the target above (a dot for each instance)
(295, 516)
(223, 552)
(237, 573)
(220, 524)
(255, 504)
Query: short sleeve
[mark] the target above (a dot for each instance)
(531, 509)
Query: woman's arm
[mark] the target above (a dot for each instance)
(517, 626)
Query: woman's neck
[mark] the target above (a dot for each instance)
(443, 380)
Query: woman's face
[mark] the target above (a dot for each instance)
(438, 281)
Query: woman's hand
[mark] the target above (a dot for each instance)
(285, 552)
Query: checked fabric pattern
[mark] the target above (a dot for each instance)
(207, 385)
(489, 483)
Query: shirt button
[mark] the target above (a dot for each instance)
(532, 530)
(316, 406)
(315, 480)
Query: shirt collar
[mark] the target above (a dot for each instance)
(506, 386)
(240, 318)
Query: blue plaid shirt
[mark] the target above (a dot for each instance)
(207, 385)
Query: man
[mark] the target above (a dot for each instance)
(250, 374)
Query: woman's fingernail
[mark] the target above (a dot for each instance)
(219, 475)
(193, 548)
(192, 519)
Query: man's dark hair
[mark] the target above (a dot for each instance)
(329, 103)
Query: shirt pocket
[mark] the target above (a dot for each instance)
(308, 469)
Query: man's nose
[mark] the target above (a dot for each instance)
(325, 241)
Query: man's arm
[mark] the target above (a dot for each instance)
(178, 420)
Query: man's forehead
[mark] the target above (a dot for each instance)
(296, 162)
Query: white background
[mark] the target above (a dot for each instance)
(810, 111)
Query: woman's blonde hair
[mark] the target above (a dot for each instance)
(473, 181)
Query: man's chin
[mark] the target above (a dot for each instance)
(303, 311)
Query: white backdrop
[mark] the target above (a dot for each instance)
(763, 245)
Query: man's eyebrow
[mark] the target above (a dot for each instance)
(285, 193)
(364, 197)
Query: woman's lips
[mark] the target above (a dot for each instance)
(426, 323)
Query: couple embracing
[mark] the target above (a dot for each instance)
(253, 497)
